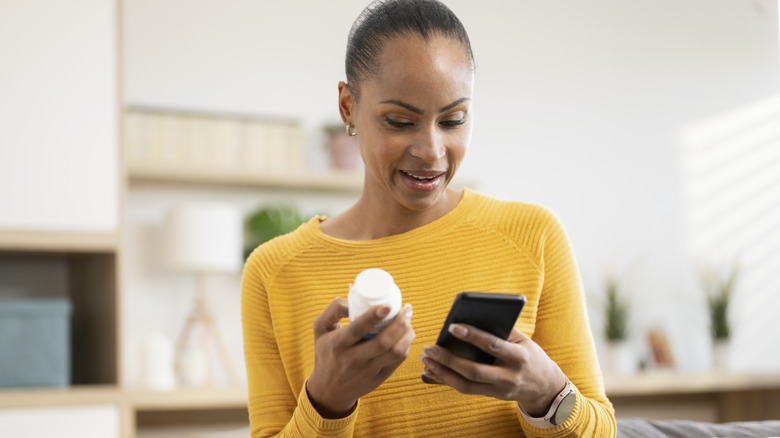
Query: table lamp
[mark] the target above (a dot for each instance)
(202, 239)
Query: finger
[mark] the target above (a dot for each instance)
(395, 355)
(387, 339)
(483, 340)
(446, 376)
(470, 370)
(517, 337)
(392, 360)
(328, 320)
(360, 327)
(388, 370)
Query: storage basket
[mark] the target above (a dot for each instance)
(34, 342)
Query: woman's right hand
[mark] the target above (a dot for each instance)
(346, 367)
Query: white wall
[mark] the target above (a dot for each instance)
(587, 122)
(58, 115)
(578, 107)
(731, 175)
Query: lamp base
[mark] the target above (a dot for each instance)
(193, 363)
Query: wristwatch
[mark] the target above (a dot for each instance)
(560, 409)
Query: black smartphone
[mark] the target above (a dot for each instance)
(493, 313)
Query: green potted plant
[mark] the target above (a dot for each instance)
(270, 221)
(719, 291)
(616, 314)
(616, 309)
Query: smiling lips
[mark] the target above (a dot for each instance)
(422, 180)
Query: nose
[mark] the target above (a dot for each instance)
(428, 146)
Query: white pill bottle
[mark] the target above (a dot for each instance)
(373, 287)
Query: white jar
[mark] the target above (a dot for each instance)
(193, 367)
(157, 363)
(373, 287)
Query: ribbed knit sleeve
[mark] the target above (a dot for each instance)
(275, 409)
(563, 331)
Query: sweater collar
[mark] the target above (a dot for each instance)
(313, 230)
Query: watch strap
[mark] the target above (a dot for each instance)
(564, 402)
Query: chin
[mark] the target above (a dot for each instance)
(420, 202)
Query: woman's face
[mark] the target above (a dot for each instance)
(413, 120)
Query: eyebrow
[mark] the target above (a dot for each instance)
(414, 109)
(454, 104)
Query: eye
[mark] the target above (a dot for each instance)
(396, 123)
(453, 123)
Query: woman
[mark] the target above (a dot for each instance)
(408, 102)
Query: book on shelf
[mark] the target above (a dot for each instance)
(180, 140)
(256, 139)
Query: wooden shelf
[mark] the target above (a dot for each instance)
(137, 399)
(50, 241)
(210, 398)
(664, 383)
(344, 182)
(708, 397)
(236, 397)
(75, 395)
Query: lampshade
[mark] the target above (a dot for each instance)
(204, 238)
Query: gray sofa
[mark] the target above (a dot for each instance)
(641, 428)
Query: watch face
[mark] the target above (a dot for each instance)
(564, 409)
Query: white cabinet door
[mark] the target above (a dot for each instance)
(59, 153)
(101, 421)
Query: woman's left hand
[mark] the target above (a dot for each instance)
(522, 371)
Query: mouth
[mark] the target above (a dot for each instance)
(422, 180)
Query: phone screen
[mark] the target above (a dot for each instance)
(493, 313)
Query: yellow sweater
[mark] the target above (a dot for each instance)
(482, 245)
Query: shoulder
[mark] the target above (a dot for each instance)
(530, 225)
(513, 216)
(266, 259)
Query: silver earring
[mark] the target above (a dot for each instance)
(351, 131)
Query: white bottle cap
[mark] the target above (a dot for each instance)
(373, 287)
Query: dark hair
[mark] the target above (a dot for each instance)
(384, 20)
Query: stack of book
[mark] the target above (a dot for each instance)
(158, 139)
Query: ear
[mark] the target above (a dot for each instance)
(346, 103)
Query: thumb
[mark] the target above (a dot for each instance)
(517, 337)
(328, 320)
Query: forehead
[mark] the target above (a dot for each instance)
(438, 69)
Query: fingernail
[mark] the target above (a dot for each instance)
(457, 330)
(382, 311)
(429, 351)
(429, 365)
(408, 310)
(427, 373)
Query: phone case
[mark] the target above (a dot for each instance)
(493, 313)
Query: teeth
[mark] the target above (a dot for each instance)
(421, 178)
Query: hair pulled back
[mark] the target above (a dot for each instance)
(384, 20)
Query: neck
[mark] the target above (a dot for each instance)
(375, 218)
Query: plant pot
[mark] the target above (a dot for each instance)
(343, 151)
(720, 354)
(620, 359)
